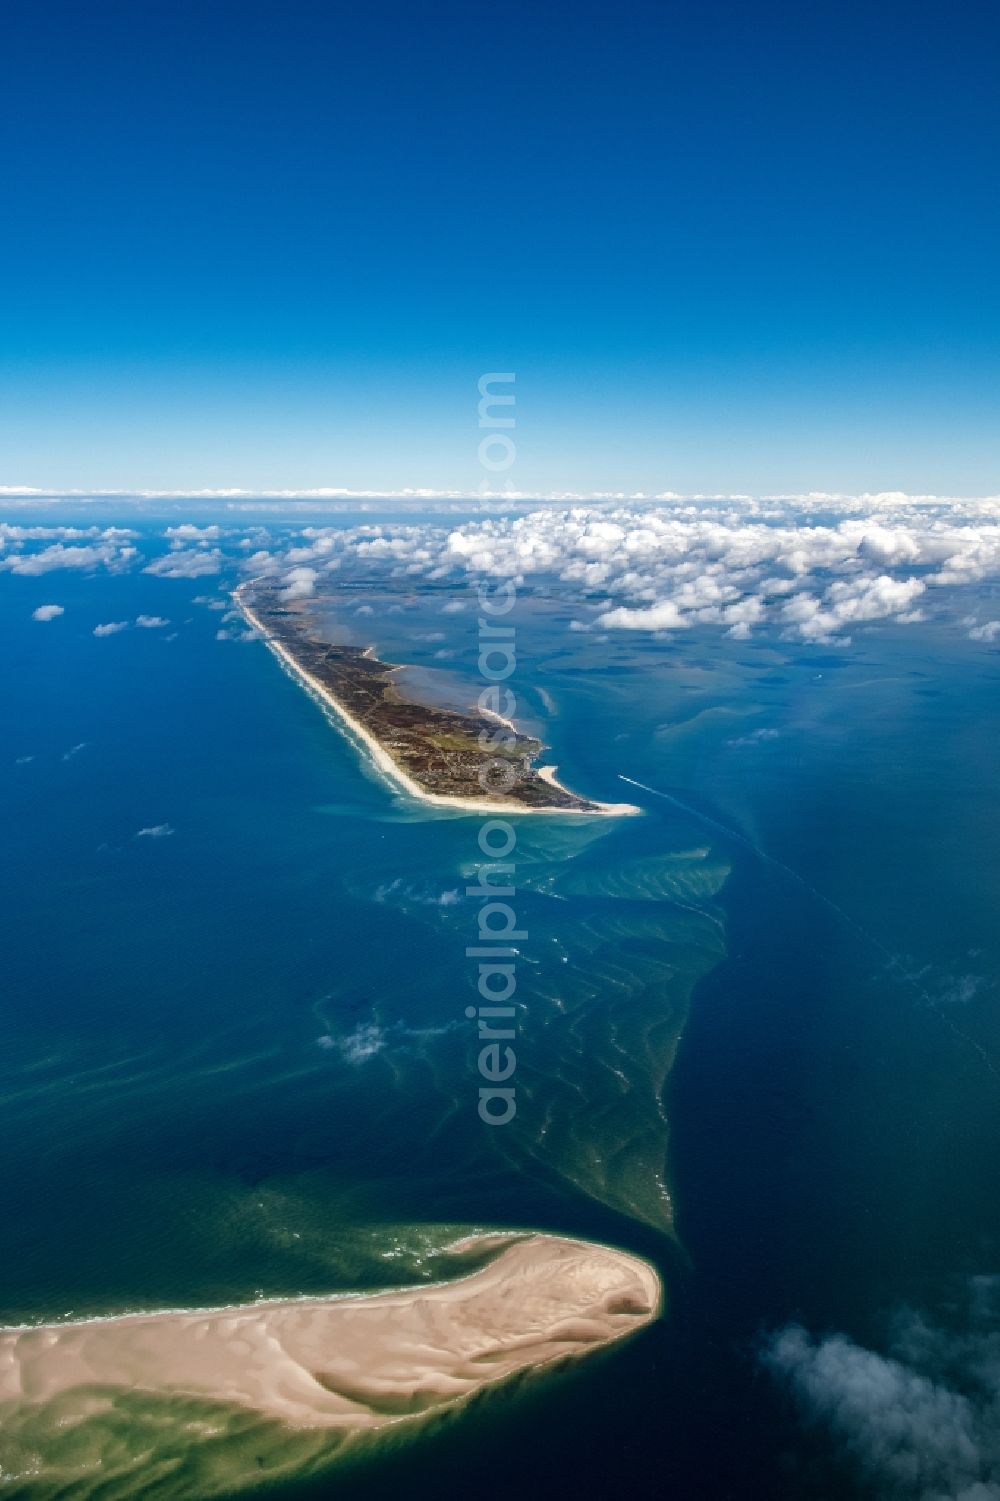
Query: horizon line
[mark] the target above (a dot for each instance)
(237, 496)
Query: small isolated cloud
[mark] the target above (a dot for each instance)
(188, 532)
(151, 622)
(74, 750)
(187, 563)
(921, 1423)
(23, 760)
(661, 617)
(299, 582)
(399, 891)
(987, 632)
(154, 831)
(111, 628)
(962, 990)
(108, 553)
(756, 737)
(454, 607)
(47, 612)
(363, 1043)
(224, 635)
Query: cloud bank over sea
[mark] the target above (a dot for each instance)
(813, 569)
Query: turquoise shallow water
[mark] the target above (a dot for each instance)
(236, 1059)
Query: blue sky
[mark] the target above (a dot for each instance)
(725, 246)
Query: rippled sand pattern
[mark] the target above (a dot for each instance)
(348, 1365)
(604, 1021)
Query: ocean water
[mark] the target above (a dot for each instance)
(236, 1060)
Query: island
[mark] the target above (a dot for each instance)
(474, 760)
(346, 1364)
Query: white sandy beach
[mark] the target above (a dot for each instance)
(355, 1362)
(393, 773)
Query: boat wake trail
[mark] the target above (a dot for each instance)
(761, 854)
(892, 962)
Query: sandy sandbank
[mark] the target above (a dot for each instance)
(354, 1362)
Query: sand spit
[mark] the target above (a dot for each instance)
(391, 771)
(356, 1362)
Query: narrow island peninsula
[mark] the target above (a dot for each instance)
(472, 760)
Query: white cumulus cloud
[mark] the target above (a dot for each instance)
(662, 617)
(299, 582)
(66, 555)
(922, 1422)
(187, 563)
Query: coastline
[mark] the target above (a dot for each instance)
(352, 1362)
(392, 772)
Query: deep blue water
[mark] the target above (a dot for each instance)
(235, 1059)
